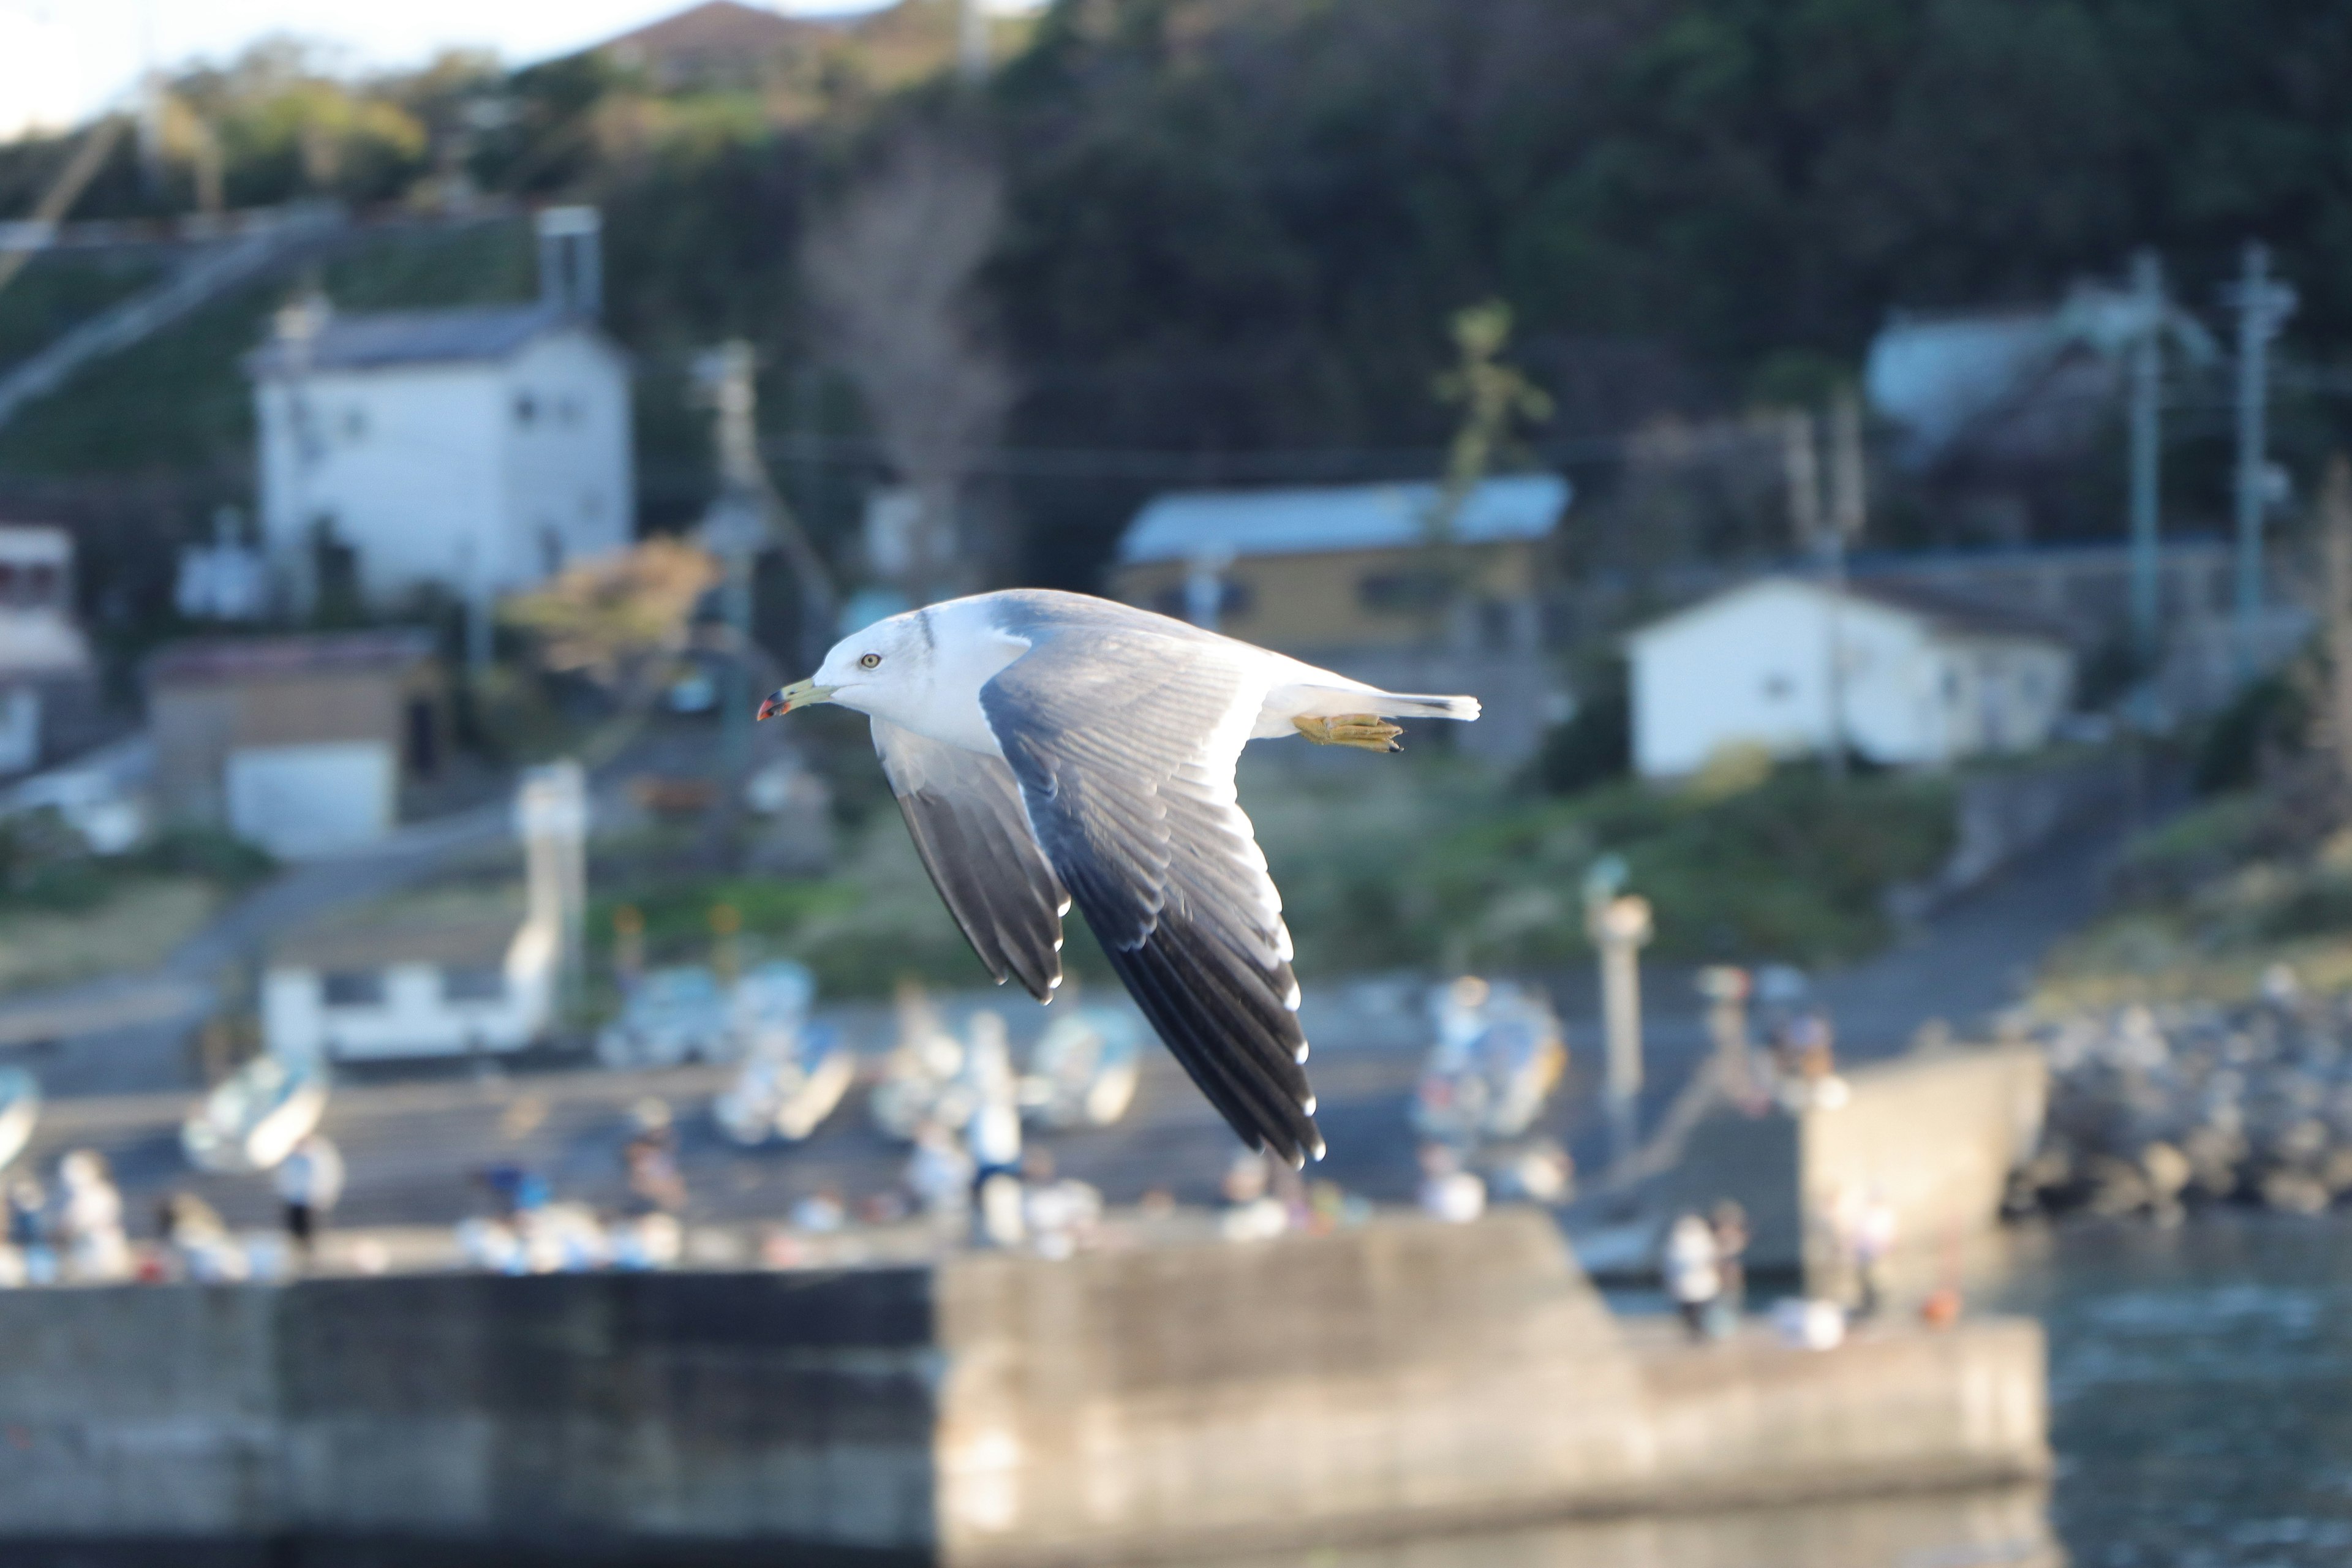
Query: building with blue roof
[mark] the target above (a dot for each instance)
(1358, 578)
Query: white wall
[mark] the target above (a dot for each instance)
(436, 475)
(414, 1019)
(568, 468)
(302, 801)
(407, 461)
(1753, 667)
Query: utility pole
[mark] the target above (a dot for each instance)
(2147, 388)
(736, 529)
(2263, 307)
(2335, 555)
(1846, 511)
(749, 514)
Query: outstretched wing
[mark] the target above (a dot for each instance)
(965, 813)
(1124, 743)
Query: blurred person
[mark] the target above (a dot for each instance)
(1251, 1213)
(28, 1230)
(1059, 1213)
(1729, 1223)
(993, 1133)
(310, 1183)
(649, 1162)
(199, 1243)
(821, 1213)
(939, 1176)
(1447, 1191)
(514, 1190)
(90, 1220)
(1694, 1274)
(1872, 1238)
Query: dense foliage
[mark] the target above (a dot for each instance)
(1240, 227)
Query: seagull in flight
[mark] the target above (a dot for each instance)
(1050, 749)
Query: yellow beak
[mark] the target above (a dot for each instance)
(799, 694)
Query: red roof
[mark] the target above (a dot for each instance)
(714, 32)
(223, 660)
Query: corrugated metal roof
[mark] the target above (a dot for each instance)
(206, 659)
(1947, 612)
(367, 339)
(1182, 525)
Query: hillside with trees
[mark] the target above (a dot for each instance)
(1228, 236)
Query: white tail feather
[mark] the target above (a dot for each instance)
(1409, 705)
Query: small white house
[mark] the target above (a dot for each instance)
(1924, 681)
(49, 699)
(476, 449)
(413, 984)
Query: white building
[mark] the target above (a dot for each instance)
(402, 983)
(476, 449)
(48, 700)
(1926, 681)
(443, 973)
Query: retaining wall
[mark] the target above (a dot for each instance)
(996, 1410)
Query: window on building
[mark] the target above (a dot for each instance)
(526, 408)
(1952, 687)
(551, 549)
(39, 586)
(1401, 592)
(353, 987)
(1497, 626)
(1233, 599)
(355, 424)
(475, 984)
(1777, 687)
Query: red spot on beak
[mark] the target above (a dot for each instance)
(770, 707)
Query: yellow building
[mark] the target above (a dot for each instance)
(1346, 577)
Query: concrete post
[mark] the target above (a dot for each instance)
(551, 820)
(1620, 927)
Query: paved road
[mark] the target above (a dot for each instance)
(113, 1056)
(128, 1033)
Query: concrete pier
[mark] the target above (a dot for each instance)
(1400, 1378)
(1934, 1135)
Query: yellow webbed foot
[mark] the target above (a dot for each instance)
(1368, 732)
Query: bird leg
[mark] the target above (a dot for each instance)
(1367, 731)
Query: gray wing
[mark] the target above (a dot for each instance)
(965, 813)
(1124, 743)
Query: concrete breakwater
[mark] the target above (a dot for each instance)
(993, 1410)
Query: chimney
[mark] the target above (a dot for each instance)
(571, 260)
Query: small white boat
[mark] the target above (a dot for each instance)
(922, 1079)
(1499, 1054)
(673, 1016)
(1083, 1069)
(20, 1109)
(787, 1092)
(252, 1121)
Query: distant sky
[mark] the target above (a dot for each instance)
(61, 60)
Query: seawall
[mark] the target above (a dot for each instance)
(1397, 1378)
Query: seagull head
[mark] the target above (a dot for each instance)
(864, 669)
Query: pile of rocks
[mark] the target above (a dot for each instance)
(2153, 1110)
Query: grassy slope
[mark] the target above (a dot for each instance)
(178, 401)
(2210, 901)
(58, 291)
(1409, 864)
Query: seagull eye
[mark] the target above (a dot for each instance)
(869, 661)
